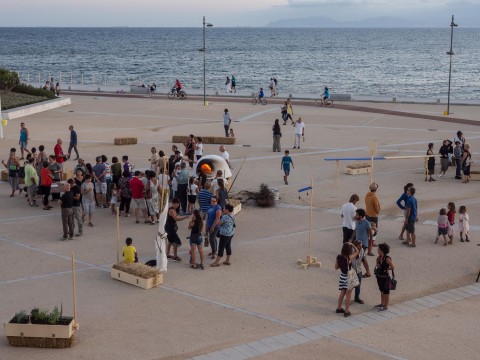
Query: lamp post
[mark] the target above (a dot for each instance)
(450, 53)
(203, 49)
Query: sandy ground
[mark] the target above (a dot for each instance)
(263, 293)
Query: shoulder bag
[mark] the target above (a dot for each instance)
(392, 282)
(352, 279)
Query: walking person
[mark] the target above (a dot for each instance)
(196, 241)
(73, 143)
(344, 263)
(401, 202)
(227, 230)
(285, 166)
(228, 85)
(66, 203)
(12, 165)
(277, 134)
(299, 126)
(288, 103)
(234, 84)
(31, 182)
(383, 265)
(348, 216)
(411, 217)
(23, 141)
(227, 120)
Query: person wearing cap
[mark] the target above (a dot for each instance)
(372, 210)
(457, 155)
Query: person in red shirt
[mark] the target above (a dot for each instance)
(46, 180)
(138, 201)
(59, 152)
(178, 84)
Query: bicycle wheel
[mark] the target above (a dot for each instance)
(182, 95)
(171, 95)
(329, 103)
(317, 102)
(254, 101)
(264, 101)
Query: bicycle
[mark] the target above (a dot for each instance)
(174, 93)
(255, 100)
(321, 102)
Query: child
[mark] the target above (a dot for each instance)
(463, 223)
(285, 166)
(192, 194)
(430, 163)
(232, 133)
(443, 226)
(129, 252)
(451, 219)
(113, 199)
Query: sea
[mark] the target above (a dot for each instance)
(373, 62)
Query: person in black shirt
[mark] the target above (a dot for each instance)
(66, 201)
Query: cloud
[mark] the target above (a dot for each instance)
(384, 3)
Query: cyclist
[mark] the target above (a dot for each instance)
(177, 87)
(326, 94)
(260, 95)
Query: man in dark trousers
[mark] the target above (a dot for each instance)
(73, 142)
(66, 201)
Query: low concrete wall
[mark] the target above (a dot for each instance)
(35, 108)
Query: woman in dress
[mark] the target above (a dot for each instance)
(466, 162)
(430, 163)
(277, 134)
(125, 193)
(12, 165)
(344, 263)
(152, 202)
(171, 229)
(383, 265)
(196, 226)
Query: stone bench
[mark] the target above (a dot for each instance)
(221, 140)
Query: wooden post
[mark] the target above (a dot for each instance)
(74, 293)
(118, 234)
(337, 177)
(373, 152)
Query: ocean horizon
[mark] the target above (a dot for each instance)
(410, 62)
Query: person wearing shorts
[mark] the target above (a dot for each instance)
(285, 166)
(410, 217)
(171, 229)
(23, 141)
(138, 201)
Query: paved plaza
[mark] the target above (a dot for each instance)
(262, 306)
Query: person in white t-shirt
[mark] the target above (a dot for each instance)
(348, 216)
(198, 148)
(214, 182)
(225, 156)
(192, 192)
(299, 132)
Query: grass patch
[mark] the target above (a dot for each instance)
(12, 100)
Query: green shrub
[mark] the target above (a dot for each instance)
(13, 100)
(31, 90)
(39, 316)
(55, 315)
(21, 317)
(8, 79)
(265, 197)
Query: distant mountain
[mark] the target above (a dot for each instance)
(326, 22)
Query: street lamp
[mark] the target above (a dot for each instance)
(203, 49)
(450, 53)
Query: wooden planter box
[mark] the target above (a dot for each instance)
(125, 141)
(136, 280)
(179, 139)
(237, 205)
(40, 335)
(356, 169)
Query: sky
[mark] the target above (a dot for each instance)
(227, 13)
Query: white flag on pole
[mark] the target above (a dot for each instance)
(161, 239)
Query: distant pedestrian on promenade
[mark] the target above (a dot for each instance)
(299, 126)
(228, 84)
(227, 120)
(277, 134)
(73, 142)
(288, 104)
(23, 141)
(383, 265)
(234, 84)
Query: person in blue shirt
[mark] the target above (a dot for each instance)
(73, 142)
(401, 202)
(411, 217)
(285, 166)
(326, 94)
(261, 94)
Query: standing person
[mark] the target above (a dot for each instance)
(461, 139)
(446, 152)
(153, 199)
(46, 179)
(138, 200)
(79, 180)
(116, 169)
(348, 216)
(363, 230)
(57, 89)
(192, 194)
(227, 120)
(225, 156)
(299, 126)
(126, 165)
(198, 148)
(463, 223)
(52, 86)
(222, 194)
(190, 149)
(283, 111)
(58, 151)
(88, 199)
(99, 174)
(401, 202)
(214, 182)
(383, 265)
(234, 84)
(23, 141)
(228, 85)
(411, 217)
(372, 210)
(108, 178)
(457, 155)
(204, 197)
(227, 230)
(73, 143)
(66, 202)
(272, 87)
(285, 166)
(196, 226)
(442, 226)
(213, 218)
(451, 219)
(343, 262)
(430, 163)
(12, 165)
(277, 134)
(466, 163)
(56, 170)
(76, 206)
(289, 111)
(171, 229)
(31, 182)
(182, 186)
(154, 159)
(125, 193)
(357, 266)
(41, 158)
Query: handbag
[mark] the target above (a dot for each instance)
(392, 282)
(352, 280)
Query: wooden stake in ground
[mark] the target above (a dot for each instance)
(75, 325)
(310, 260)
(373, 152)
(118, 234)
